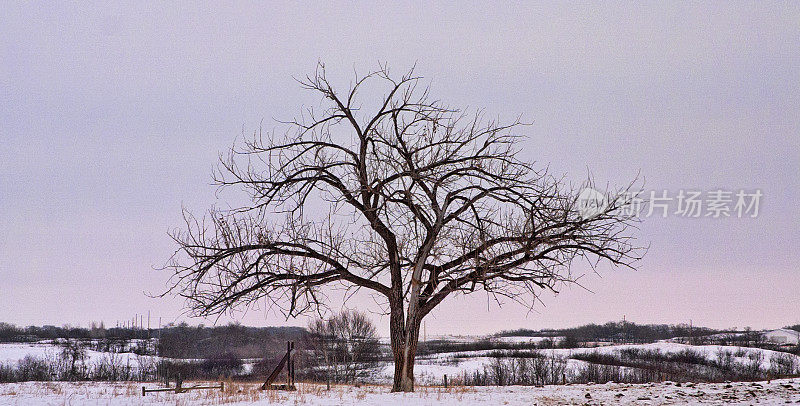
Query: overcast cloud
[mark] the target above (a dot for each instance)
(111, 119)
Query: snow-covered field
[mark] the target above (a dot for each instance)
(527, 340)
(431, 369)
(667, 393)
(12, 353)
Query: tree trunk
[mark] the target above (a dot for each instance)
(404, 349)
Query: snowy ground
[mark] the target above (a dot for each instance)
(527, 340)
(98, 393)
(431, 369)
(12, 353)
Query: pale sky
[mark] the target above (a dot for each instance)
(111, 119)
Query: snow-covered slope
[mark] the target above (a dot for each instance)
(96, 393)
(12, 353)
(431, 369)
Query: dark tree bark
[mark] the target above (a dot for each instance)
(399, 195)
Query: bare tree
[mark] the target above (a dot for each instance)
(399, 195)
(343, 344)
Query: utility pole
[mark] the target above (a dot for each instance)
(159, 335)
(624, 330)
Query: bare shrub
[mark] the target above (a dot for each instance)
(688, 364)
(598, 373)
(110, 368)
(342, 347)
(753, 368)
(533, 369)
(783, 364)
(549, 370)
(33, 369)
(73, 360)
(725, 358)
(223, 366)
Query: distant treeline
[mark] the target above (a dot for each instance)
(184, 341)
(12, 333)
(617, 331)
(174, 341)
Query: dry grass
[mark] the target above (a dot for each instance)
(233, 392)
(248, 392)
